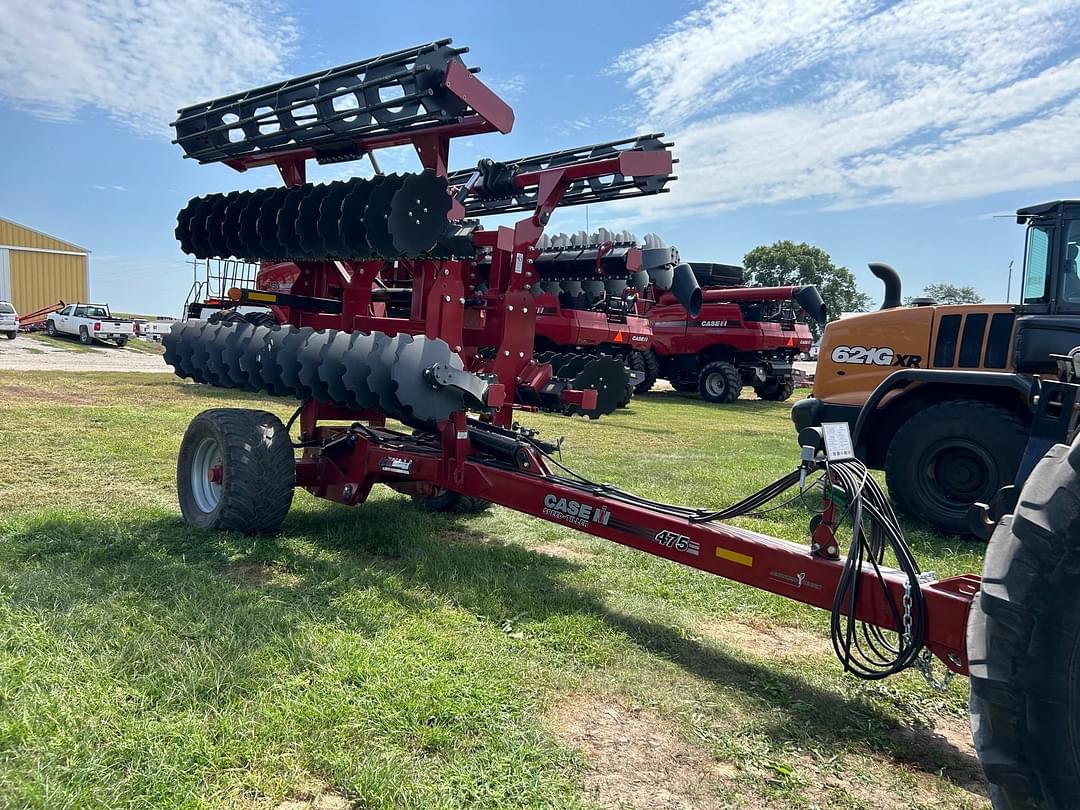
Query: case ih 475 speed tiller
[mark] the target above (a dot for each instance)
(409, 341)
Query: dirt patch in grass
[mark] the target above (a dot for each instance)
(14, 393)
(562, 552)
(635, 760)
(763, 641)
(315, 796)
(946, 749)
(258, 574)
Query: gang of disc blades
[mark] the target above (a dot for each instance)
(214, 339)
(381, 361)
(267, 361)
(351, 231)
(418, 213)
(362, 347)
(248, 361)
(307, 223)
(574, 366)
(215, 218)
(230, 224)
(288, 360)
(310, 359)
(183, 224)
(248, 233)
(329, 223)
(332, 369)
(376, 217)
(231, 353)
(266, 226)
(198, 237)
(609, 378)
(418, 395)
(286, 221)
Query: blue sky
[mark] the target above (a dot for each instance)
(876, 130)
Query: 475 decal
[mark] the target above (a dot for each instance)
(878, 356)
(679, 542)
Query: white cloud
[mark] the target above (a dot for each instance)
(848, 102)
(136, 61)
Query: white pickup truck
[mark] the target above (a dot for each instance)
(90, 322)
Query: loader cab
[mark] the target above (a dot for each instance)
(1051, 284)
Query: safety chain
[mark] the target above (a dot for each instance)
(925, 662)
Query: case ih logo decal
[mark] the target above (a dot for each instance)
(715, 323)
(884, 356)
(574, 512)
(679, 542)
(641, 338)
(395, 464)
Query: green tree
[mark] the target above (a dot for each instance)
(785, 263)
(950, 294)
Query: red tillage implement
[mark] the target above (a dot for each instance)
(401, 306)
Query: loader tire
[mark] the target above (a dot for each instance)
(948, 456)
(720, 382)
(449, 501)
(651, 367)
(256, 473)
(1023, 644)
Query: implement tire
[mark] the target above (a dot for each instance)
(251, 456)
(720, 382)
(1023, 643)
(948, 456)
(446, 500)
(651, 367)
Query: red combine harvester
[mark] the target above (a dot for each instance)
(408, 338)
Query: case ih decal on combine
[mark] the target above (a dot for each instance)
(405, 307)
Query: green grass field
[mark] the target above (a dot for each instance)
(383, 657)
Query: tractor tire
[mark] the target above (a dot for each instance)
(226, 316)
(1023, 644)
(11, 335)
(256, 476)
(775, 389)
(50, 329)
(651, 366)
(261, 318)
(449, 501)
(84, 336)
(685, 386)
(948, 456)
(720, 382)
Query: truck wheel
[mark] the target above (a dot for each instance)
(720, 382)
(235, 471)
(11, 335)
(775, 389)
(948, 456)
(121, 342)
(50, 329)
(445, 500)
(1023, 643)
(650, 366)
(84, 336)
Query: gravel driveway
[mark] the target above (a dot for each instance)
(30, 354)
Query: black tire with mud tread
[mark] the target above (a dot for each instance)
(1023, 644)
(775, 389)
(732, 387)
(226, 316)
(449, 501)
(261, 318)
(651, 367)
(259, 471)
(990, 430)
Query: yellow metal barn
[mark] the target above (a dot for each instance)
(37, 270)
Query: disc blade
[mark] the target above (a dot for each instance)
(418, 396)
(377, 215)
(418, 214)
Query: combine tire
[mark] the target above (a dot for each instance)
(1023, 643)
(719, 382)
(775, 389)
(235, 471)
(948, 456)
(650, 366)
(446, 500)
(84, 336)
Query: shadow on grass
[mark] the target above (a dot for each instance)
(415, 562)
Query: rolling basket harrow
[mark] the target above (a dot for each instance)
(403, 306)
